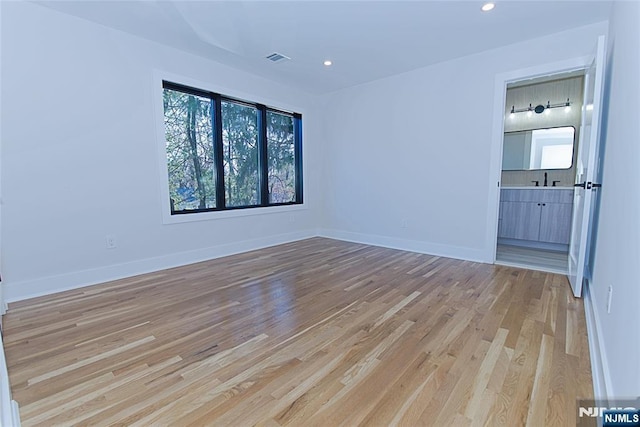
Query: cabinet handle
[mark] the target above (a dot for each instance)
(582, 184)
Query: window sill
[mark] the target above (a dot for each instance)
(234, 213)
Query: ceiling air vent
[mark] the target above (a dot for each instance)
(277, 57)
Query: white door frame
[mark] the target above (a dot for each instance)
(497, 135)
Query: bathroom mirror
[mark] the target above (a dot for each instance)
(538, 149)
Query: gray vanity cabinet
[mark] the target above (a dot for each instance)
(520, 220)
(555, 222)
(536, 215)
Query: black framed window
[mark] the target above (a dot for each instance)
(281, 157)
(224, 153)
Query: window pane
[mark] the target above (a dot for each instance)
(240, 153)
(556, 157)
(552, 148)
(281, 154)
(189, 142)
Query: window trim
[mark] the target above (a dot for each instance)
(203, 89)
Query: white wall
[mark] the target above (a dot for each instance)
(617, 250)
(2, 298)
(79, 154)
(415, 150)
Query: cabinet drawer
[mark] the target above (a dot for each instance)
(540, 195)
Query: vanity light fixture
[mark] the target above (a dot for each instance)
(539, 109)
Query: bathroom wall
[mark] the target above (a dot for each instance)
(556, 91)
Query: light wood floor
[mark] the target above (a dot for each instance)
(318, 332)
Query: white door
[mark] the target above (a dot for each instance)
(586, 169)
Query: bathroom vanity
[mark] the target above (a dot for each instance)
(536, 216)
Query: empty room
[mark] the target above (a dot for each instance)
(319, 213)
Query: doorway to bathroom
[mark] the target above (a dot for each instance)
(523, 209)
(542, 118)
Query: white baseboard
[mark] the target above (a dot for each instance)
(602, 387)
(476, 255)
(15, 412)
(9, 413)
(17, 291)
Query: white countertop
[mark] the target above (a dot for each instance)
(532, 187)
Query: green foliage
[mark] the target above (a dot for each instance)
(189, 139)
(191, 164)
(240, 154)
(281, 155)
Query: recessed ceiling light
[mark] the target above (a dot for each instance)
(488, 6)
(327, 63)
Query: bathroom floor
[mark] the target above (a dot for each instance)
(535, 259)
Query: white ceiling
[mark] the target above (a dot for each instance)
(366, 40)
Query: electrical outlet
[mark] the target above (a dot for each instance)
(609, 299)
(404, 223)
(292, 218)
(111, 241)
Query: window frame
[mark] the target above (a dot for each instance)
(221, 210)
